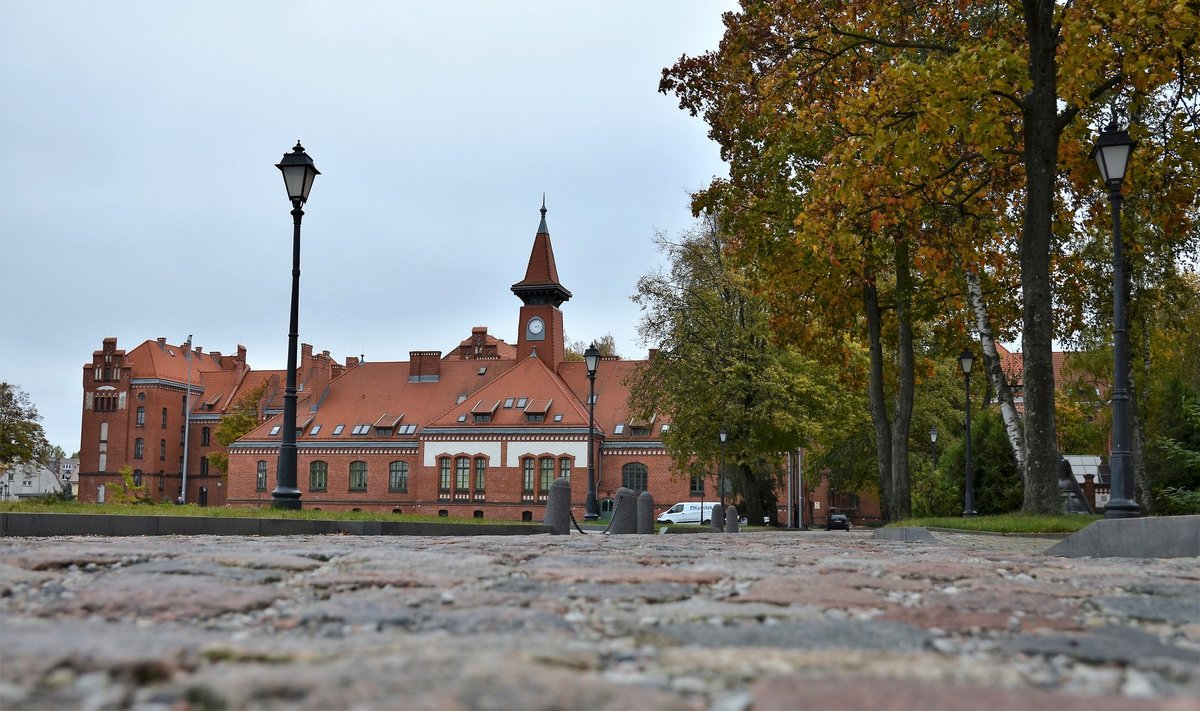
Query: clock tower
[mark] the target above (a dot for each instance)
(541, 323)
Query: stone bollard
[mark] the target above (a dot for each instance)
(732, 522)
(718, 518)
(624, 518)
(645, 512)
(558, 507)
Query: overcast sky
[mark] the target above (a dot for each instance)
(139, 197)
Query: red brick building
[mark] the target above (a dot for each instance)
(479, 431)
(133, 414)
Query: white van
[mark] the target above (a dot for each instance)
(688, 512)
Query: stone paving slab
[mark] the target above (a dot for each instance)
(729, 622)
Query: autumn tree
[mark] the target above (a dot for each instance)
(907, 145)
(241, 418)
(716, 366)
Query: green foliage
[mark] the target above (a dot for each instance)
(606, 344)
(22, 438)
(1174, 501)
(128, 491)
(717, 367)
(1007, 523)
(241, 418)
(997, 482)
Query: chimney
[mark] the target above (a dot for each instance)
(162, 343)
(351, 361)
(305, 352)
(1089, 489)
(424, 366)
(198, 349)
(216, 355)
(653, 354)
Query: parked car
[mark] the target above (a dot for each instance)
(837, 520)
(688, 512)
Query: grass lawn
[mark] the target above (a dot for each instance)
(168, 509)
(1007, 523)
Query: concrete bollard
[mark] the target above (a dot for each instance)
(732, 522)
(624, 518)
(558, 507)
(718, 518)
(645, 512)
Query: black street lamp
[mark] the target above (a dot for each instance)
(1112, 156)
(966, 360)
(591, 359)
(933, 435)
(298, 176)
(723, 434)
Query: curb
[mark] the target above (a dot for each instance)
(40, 525)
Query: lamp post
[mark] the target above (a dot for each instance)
(1112, 156)
(591, 359)
(966, 360)
(723, 434)
(187, 421)
(933, 435)
(298, 176)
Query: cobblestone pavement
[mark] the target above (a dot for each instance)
(735, 622)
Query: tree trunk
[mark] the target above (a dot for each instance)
(996, 376)
(876, 402)
(1141, 485)
(1040, 116)
(902, 416)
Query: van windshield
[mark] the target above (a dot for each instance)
(676, 508)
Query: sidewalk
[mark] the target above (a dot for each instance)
(737, 622)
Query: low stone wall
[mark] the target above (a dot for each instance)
(37, 525)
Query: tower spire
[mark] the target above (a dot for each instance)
(541, 285)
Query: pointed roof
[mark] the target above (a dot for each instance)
(528, 388)
(541, 285)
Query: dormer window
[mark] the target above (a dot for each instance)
(536, 410)
(275, 430)
(482, 412)
(360, 429)
(386, 424)
(337, 430)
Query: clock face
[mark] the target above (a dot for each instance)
(536, 326)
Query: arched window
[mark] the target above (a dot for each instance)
(205, 436)
(261, 482)
(564, 468)
(318, 476)
(203, 466)
(547, 467)
(164, 418)
(398, 477)
(462, 478)
(139, 448)
(633, 476)
(162, 449)
(527, 476)
(480, 474)
(444, 475)
(141, 416)
(358, 476)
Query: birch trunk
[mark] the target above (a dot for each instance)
(991, 358)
